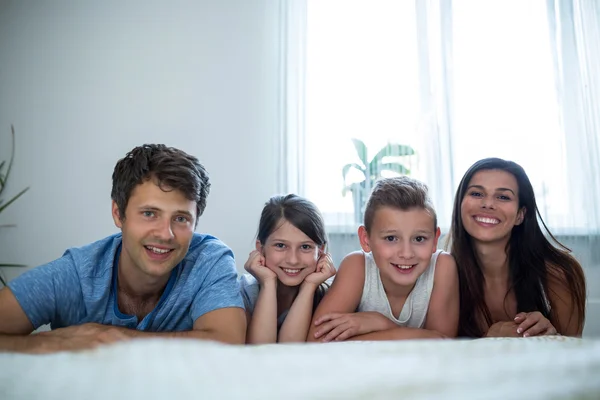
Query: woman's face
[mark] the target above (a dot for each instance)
(490, 206)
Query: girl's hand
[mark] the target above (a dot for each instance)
(534, 324)
(257, 268)
(342, 326)
(325, 270)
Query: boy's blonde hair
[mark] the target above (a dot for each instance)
(400, 192)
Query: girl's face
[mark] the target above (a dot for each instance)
(402, 243)
(290, 254)
(490, 207)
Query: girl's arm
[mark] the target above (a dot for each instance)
(262, 324)
(344, 294)
(444, 307)
(297, 322)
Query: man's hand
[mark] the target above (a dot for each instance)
(77, 337)
(342, 326)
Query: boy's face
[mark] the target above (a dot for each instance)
(402, 243)
(157, 230)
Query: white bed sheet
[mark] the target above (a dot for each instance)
(534, 368)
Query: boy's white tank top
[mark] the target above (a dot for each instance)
(414, 311)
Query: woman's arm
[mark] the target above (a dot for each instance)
(565, 313)
(345, 292)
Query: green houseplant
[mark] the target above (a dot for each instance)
(5, 203)
(371, 171)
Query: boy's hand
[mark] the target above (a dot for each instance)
(342, 326)
(257, 268)
(325, 270)
(534, 324)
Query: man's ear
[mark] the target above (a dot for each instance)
(116, 215)
(363, 237)
(521, 216)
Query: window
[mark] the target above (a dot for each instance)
(456, 84)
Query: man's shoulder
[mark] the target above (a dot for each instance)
(206, 249)
(95, 258)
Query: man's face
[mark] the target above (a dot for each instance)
(157, 230)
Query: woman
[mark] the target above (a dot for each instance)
(513, 281)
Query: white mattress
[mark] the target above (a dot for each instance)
(534, 368)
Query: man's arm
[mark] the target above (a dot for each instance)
(227, 325)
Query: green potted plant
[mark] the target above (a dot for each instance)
(4, 204)
(371, 171)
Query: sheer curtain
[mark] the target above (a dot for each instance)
(456, 81)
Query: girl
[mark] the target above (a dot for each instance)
(399, 286)
(513, 281)
(287, 270)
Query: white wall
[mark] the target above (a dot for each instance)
(85, 81)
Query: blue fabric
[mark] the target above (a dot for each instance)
(250, 288)
(79, 288)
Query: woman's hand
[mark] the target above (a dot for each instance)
(503, 329)
(325, 270)
(534, 324)
(257, 268)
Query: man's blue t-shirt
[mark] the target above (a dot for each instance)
(80, 287)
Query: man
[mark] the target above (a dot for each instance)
(155, 278)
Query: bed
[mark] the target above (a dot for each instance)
(532, 368)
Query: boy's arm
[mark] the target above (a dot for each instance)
(344, 294)
(442, 315)
(444, 304)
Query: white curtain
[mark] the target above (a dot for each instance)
(457, 81)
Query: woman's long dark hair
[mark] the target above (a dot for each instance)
(532, 259)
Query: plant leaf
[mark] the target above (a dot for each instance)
(395, 167)
(12, 156)
(361, 151)
(347, 168)
(8, 203)
(393, 150)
